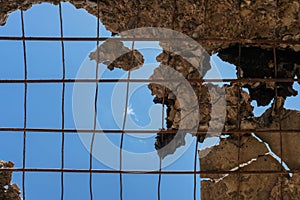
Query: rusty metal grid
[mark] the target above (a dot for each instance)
(123, 131)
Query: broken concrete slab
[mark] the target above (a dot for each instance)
(284, 120)
(254, 156)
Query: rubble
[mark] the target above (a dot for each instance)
(8, 191)
(114, 54)
(209, 119)
(183, 111)
(5, 176)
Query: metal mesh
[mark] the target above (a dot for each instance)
(63, 130)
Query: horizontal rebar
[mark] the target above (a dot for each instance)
(136, 38)
(106, 171)
(118, 131)
(71, 80)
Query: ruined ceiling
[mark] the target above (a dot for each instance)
(262, 26)
(229, 19)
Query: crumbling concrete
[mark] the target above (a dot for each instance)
(115, 55)
(255, 62)
(8, 191)
(229, 19)
(289, 187)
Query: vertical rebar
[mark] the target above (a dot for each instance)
(25, 103)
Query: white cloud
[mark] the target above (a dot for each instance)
(130, 111)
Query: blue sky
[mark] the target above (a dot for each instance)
(44, 111)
